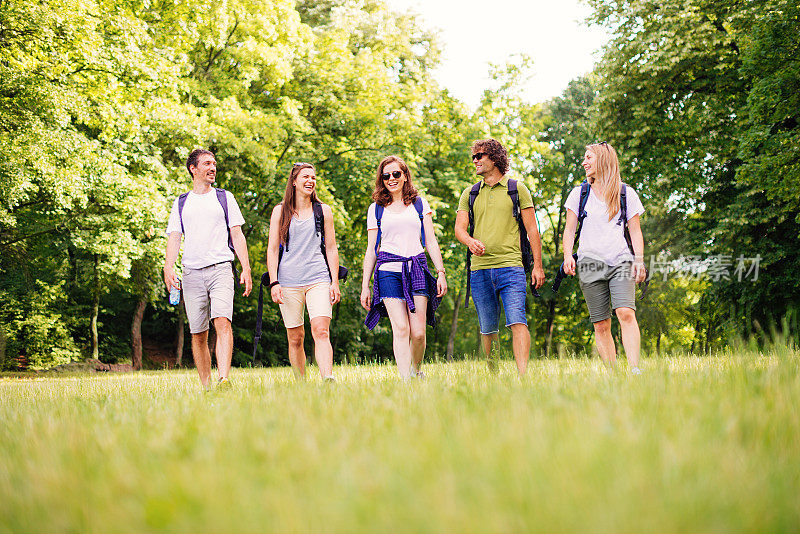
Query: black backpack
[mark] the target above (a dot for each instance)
(621, 221)
(524, 242)
(319, 227)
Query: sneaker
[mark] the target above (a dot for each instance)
(223, 383)
(328, 380)
(420, 375)
(636, 371)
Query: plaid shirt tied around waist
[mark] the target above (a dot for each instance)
(415, 277)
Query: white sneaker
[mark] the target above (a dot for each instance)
(636, 371)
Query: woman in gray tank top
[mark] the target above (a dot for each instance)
(299, 271)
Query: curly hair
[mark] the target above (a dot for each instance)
(381, 195)
(496, 152)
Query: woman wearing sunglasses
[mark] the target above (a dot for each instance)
(399, 228)
(610, 259)
(299, 273)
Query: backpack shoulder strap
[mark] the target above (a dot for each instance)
(418, 207)
(222, 197)
(582, 200)
(513, 192)
(473, 194)
(319, 227)
(181, 204)
(378, 217)
(623, 217)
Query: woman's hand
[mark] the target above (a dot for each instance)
(441, 285)
(366, 298)
(569, 265)
(336, 294)
(639, 271)
(277, 295)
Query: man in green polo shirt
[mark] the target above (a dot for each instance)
(497, 273)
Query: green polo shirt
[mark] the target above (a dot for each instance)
(495, 226)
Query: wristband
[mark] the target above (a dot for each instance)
(273, 284)
(441, 271)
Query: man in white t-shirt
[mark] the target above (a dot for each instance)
(207, 262)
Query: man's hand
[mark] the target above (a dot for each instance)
(170, 278)
(336, 294)
(537, 276)
(277, 295)
(247, 280)
(569, 265)
(476, 247)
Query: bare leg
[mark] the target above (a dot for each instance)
(224, 346)
(297, 354)
(521, 346)
(605, 343)
(631, 338)
(202, 357)
(323, 351)
(398, 315)
(417, 324)
(489, 342)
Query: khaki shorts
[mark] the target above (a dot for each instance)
(605, 287)
(316, 296)
(208, 293)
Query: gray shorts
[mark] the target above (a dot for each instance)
(605, 287)
(208, 293)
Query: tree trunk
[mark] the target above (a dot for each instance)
(3, 340)
(451, 341)
(136, 334)
(96, 309)
(551, 316)
(179, 335)
(658, 343)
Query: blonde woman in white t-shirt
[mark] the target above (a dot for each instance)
(399, 229)
(608, 265)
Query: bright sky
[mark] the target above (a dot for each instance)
(474, 33)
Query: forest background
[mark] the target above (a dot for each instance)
(102, 100)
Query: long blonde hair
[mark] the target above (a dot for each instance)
(606, 175)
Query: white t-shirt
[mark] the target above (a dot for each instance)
(400, 232)
(206, 239)
(602, 239)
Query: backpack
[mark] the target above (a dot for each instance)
(621, 221)
(524, 242)
(222, 197)
(223, 200)
(379, 216)
(319, 228)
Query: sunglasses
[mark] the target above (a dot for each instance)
(299, 163)
(394, 174)
(478, 156)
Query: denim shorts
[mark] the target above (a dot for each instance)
(390, 285)
(489, 287)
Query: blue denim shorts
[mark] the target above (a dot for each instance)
(489, 287)
(390, 285)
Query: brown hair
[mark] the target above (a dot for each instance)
(381, 196)
(606, 175)
(495, 151)
(194, 156)
(288, 201)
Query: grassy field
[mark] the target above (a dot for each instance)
(696, 444)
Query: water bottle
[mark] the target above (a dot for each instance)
(175, 294)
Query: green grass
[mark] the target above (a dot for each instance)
(695, 444)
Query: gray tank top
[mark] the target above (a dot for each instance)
(302, 263)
